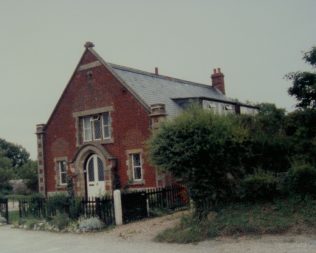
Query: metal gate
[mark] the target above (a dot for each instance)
(4, 210)
(134, 206)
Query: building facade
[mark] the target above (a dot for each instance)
(97, 131)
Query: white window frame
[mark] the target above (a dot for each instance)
(89, 128)
(88, 124)
(60, 172)
(131, 155)
(106, 125)
(94, 119)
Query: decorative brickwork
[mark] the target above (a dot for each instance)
(130, 127)
(109, 111)
(40, 158)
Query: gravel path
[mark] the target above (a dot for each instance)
(136, 238)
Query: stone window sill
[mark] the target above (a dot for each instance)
(137, 183)
(61, 187)
(106, 141)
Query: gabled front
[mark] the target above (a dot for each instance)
(95, 135)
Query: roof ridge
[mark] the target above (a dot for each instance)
(138, 71)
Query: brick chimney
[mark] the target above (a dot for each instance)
(218, 80)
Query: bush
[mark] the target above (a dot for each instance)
(19, 187)
(36, 205)
(302, 179)
(28, 172)
(29, 223)
(90, 224)
(5, 175)
(259, 186)
(74, 208)
(202, 149)
(57, 203)
(60, 221)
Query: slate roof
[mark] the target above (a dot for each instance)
(154, 89)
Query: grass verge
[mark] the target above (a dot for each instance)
(278, 217)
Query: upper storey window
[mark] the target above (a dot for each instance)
(96, 127)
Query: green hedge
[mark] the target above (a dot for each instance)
(260, 186)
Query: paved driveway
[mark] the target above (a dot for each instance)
(22, 241)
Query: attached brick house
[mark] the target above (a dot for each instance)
(97, 132)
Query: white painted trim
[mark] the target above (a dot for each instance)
(109, 125)
(92, 111)
(89, 65)
(118, 207)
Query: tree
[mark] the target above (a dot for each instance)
(270, 118)
(300, 128)
(28, 172)
(267, 145)
(16, 164)
(6, 173)
(304, 83)
(203, 150)
(16, 153)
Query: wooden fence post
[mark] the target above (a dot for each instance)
(118, 214)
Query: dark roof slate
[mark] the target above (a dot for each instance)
(154, 89)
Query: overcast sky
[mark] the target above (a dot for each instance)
(255, 43)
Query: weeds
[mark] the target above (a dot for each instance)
(246, 219)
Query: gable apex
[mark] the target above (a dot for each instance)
(90, 59)
(118, 77)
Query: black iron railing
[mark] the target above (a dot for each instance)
(102, 207)
(4, 209)
(175, 197)
(140, 204)
(136, 205)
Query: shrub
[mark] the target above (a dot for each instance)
(259, 186)
(2, 220)
(302, 179)
(60, 220)
(29, 223)
(19, 187)
(36, 205)
(203, 150)
(5, 176)
(90, 224)
(74, 208)
(57, 203)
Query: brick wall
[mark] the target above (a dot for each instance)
(130, 121)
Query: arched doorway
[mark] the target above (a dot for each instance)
(95, 176)
(87, 155)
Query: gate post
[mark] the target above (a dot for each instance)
(7, 211)
(118, 207)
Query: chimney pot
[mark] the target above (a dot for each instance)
(219, 70)
(156, 71)
(214, 71)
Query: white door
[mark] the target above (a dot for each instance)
(95, 176)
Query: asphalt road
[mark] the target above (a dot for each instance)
(22, 241)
